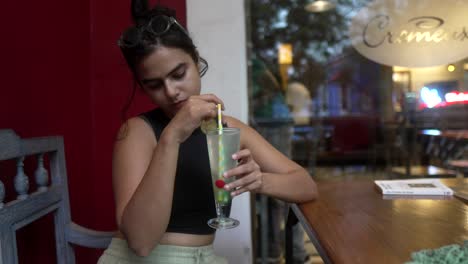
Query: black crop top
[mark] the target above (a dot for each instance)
(193, 200)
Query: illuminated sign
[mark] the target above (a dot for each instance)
(453, 97)
(430, 98)
(412, 33)
(285, 54)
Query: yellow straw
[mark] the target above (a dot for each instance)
(221, 193)
(220, 124)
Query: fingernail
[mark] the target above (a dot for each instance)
(226, 187)
(225, 175)
(234, 156)
(233, 194)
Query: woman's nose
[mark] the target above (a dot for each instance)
(172, 91)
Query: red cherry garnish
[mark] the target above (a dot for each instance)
(220, 183)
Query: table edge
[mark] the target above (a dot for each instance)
(311, 234)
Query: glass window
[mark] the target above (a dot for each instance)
(361, 89)
(347, 75)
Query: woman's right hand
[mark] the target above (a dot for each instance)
(195, 109)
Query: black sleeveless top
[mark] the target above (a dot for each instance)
(193, 200)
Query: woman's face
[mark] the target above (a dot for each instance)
(169, 76)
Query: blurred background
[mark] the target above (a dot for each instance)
(356, 89)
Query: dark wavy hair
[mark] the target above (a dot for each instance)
(174, 37)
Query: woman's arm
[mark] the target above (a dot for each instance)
(143, 181)
(265, 170)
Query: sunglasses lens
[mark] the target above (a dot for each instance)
(160, 24)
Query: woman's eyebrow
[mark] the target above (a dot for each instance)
(149, 80)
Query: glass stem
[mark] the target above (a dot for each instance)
(220, 211)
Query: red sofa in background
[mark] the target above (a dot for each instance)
(341, 140)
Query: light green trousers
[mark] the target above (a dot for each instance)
(118, 252)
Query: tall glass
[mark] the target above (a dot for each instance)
(221, 146)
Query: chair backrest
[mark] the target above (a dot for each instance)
(51, 196)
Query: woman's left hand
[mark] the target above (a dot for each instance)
(247, 173)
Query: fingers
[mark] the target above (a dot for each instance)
(211, 111)
(243, 155)
(249, 176)
(194, 110)
(205, 105)
(247, 183)
(242, 169)
(211, 98)
(199, 108)
(246, 161)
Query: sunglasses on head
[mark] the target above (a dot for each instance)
(157, 26)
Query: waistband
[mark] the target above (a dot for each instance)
(119, 248)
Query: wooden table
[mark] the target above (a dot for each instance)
(351, 222)
(455, 134)
(451, 134)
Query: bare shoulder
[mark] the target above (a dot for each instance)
(135, 130)
(135, 141)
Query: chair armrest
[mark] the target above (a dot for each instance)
(86, 237)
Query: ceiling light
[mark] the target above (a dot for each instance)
(451, 68)
(319, 6)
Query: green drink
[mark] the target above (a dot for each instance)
(221, 145)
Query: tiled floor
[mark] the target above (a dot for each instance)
(336, 173)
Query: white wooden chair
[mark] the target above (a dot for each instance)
(51, 196)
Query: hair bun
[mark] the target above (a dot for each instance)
(141, 12)
(139, 9)
(162, 10)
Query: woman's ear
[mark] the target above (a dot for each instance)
(139, 9)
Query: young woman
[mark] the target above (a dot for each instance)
(161, 175)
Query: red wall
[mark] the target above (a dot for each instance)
(62, 74)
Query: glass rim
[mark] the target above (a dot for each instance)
(226, 130)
